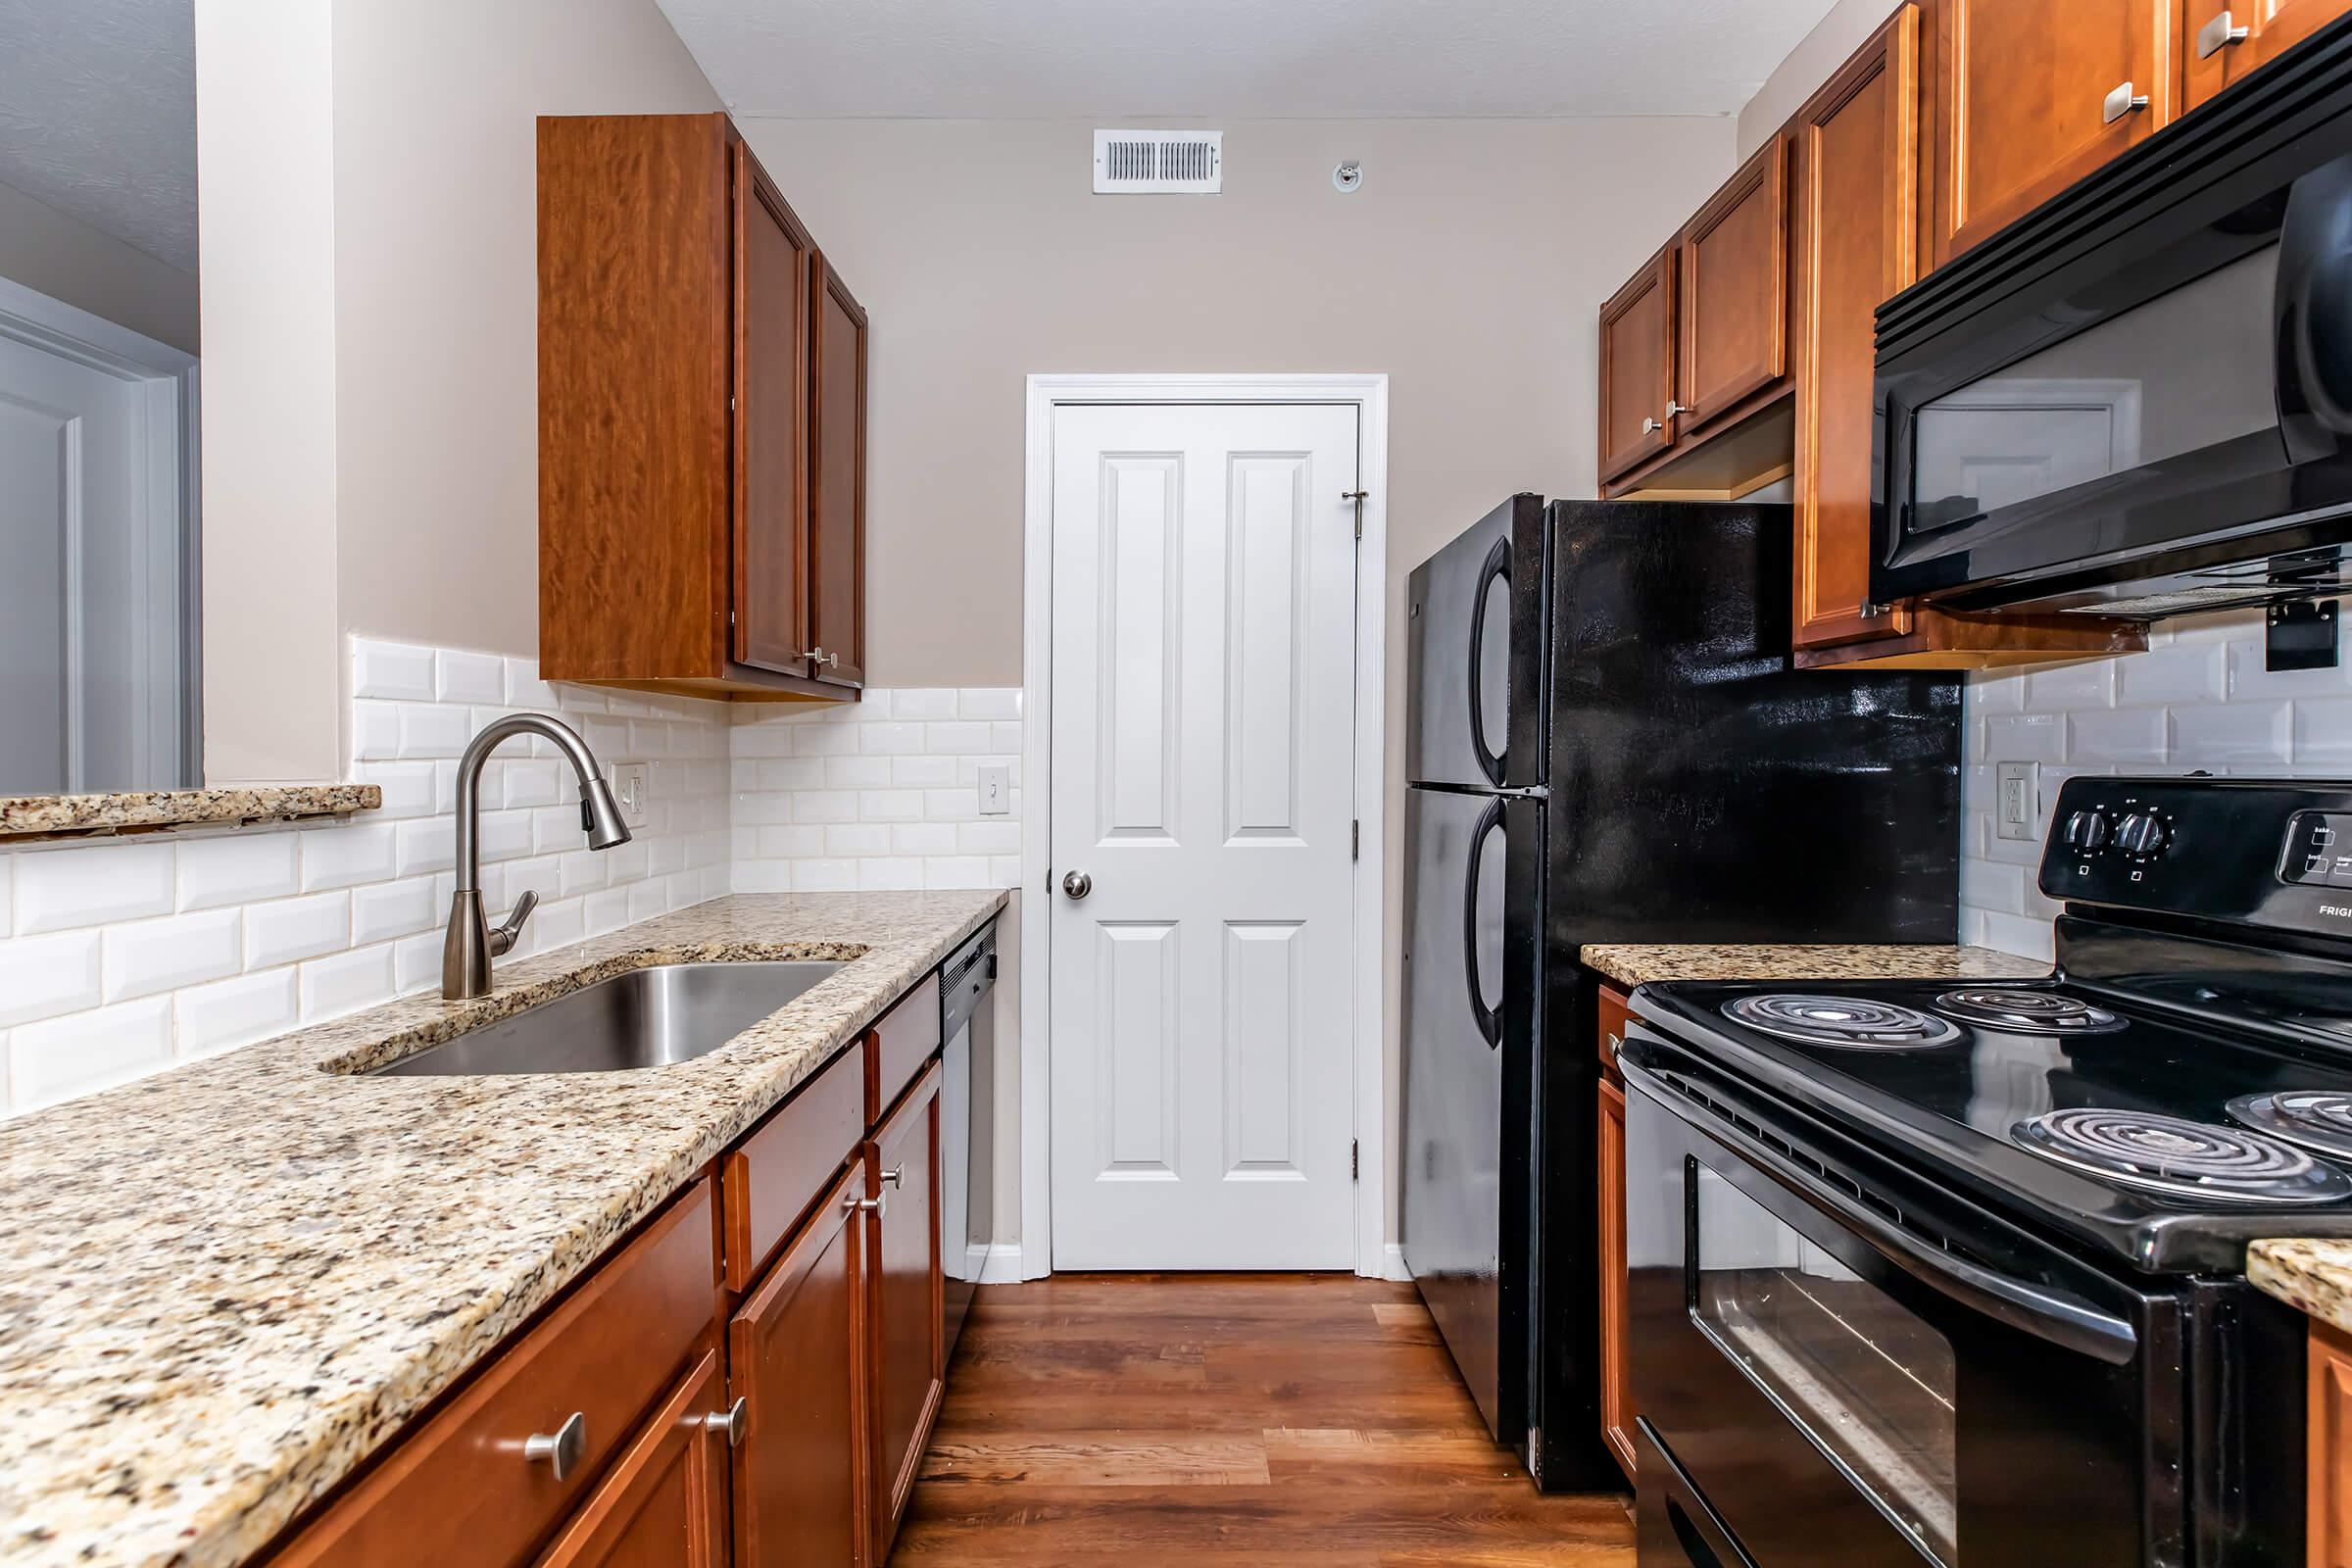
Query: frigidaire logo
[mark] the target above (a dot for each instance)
(2336, 909)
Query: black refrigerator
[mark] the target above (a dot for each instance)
(1606, 741)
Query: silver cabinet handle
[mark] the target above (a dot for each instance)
(2219, 34)
(818, 655)
(564, 1450)
(1674, 408)
(1077, 884)
(1652, 426)
(735, 1420)
(2121, 102)
(877, 1206)
(895, 1178)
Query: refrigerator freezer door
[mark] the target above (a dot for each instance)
(1474, 710)
(1468, 1022)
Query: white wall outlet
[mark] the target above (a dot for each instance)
(995, 789)
(2017, 809)
(628, 791)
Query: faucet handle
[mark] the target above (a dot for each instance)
(505, 934)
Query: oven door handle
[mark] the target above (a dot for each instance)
(2060, 1317)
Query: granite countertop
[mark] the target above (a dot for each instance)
(27, 818)
(221, 1287)
(1635, 965)
(2314, 1275)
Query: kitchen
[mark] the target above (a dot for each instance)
(668, 897)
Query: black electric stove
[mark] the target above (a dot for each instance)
(1960, 1262)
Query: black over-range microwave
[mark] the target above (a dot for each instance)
(2137, 400)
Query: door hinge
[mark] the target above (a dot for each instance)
(1358, 497)
(1355, 838)
(1355, 1160)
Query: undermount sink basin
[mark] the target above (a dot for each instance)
(644, 1019)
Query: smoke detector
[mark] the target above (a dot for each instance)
(1159, 163)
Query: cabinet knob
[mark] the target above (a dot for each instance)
(564, 1450)
(1652, 426)
(895, 1178)
(2121, 102)
(1672, 408)
(735, 1420)
(2219, 34)
(877, 1206)
(818, 655)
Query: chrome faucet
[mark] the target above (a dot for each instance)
(472, 941)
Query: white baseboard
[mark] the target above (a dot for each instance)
(1392, 1260)
(1004, 1265)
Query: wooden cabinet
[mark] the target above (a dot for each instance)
(664, 1505)
(2327, 1438)
(1616, 1393)
(1638, 368)
(909, 1364)
(701, 417)
(1732, 322)
(2032, 96)
(798, 1352)
(2221, 45)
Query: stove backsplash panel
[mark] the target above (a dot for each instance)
(2198, 699)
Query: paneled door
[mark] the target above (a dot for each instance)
(1202, 805)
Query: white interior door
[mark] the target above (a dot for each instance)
(1203, 784)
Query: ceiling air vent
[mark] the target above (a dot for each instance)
(1155, 163)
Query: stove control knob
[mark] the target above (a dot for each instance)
(2139, 834)
(2086, 831)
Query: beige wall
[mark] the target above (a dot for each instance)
(68, 259)
(371, 406)
(1468, 268)
(1832, 39)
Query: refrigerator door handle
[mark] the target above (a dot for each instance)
(1490, 1022)
(1497, 567)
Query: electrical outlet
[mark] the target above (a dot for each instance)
(995, 789)
(2017, 807)
(628, 791)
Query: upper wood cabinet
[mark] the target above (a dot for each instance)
(1638, 368)
(1732, 319)
(701, 452)
(2032, 96)
(2221, 45)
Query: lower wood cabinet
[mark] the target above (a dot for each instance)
(908, 1344)
(797, 1354)
(1616, 1361)
(664, 1505)
(2328, 1436)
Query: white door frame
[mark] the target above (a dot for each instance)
(168, 636)
(1369, 396)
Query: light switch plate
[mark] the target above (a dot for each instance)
(628, 791)
(2017, 803)
(995, 789)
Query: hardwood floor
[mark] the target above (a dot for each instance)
(1212, 1421)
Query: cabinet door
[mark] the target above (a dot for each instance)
(1636, 367)
(1857, 157)
(837, 448)
(1616, 1399)
(773, 324)
(2329, 1447)
(664, 1505)
(907, 1360)
(2221, 45)
(1731, 313)
(2032, 96)
(797, 1354)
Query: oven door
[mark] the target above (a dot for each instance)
(1843, 1368)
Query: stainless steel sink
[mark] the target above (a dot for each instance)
(644, 1019)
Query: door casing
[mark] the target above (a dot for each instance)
(1374, 1110)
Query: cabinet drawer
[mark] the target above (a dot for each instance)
(459, 1492)
(786, 1164)
(1614, 1012)
(903, 1039)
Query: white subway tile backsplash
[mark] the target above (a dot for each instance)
(346, 982)
(988, 701)
(228, 1013)
(62, 1058)
(2323, 735)
(393, 671)
(954, 739)
(81, 885)
(383, 910)
(463, 677)
(2232, 736)
(286, 930)
(238, 869)
(145, 956)
(342, 856)
(41, 977)
(2124, 737)
(922, 701)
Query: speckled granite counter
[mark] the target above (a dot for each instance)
(25, 819)
(1635, 965)
(222, 1286)
(2314, 1275)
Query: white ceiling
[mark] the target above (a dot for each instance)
(98, 116)
(1242, 59)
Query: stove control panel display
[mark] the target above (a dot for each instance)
(2257, 851)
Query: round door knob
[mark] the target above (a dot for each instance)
(2139, 834)
(1077, 884)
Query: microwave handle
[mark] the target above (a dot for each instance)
(2062, 1318)
(2312, 314)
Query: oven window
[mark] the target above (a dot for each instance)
(1869, 1380)
(2187, 369)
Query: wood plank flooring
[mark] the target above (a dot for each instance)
(1218, 1421)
